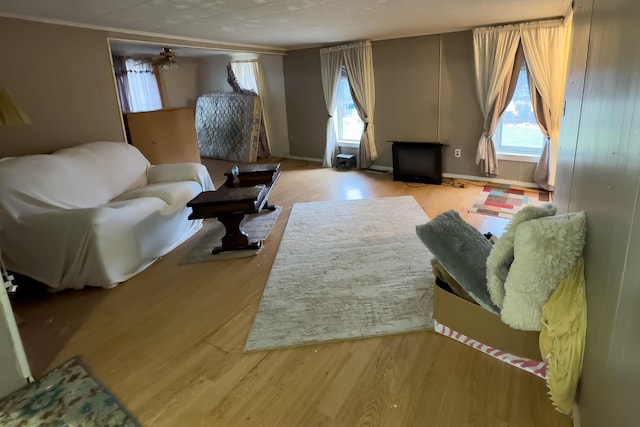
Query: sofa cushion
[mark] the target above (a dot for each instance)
(181, 172)
(174, 194)
(83, 176)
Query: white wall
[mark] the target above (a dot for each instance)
(213, 74)
(180, 86)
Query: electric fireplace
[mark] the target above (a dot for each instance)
(417, 161)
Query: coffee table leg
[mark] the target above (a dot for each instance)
(268, 206)
(234, 238)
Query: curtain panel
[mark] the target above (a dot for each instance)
(358, 61)
(249, 77)
(357, 58)
(546, 46)
(246, 73)
(542, 114)
(494, 51)
(138, 87)
(330, 63)
(120, 69)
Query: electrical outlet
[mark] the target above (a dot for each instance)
(457, 153)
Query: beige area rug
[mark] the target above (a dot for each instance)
(257, 226)
(346, 269)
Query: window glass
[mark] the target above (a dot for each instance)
(518, 131)
(142, 85)
(348, 123)
(246, 74)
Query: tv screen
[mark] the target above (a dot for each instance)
(417, 162)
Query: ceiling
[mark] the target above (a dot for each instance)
(284, 24)
(146, 49)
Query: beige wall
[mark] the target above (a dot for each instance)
(306, 110)
(180, 86)
(459, 110)
(406, 75)
(425, 91)
(72, 64)
(62, 78)
(599, 173)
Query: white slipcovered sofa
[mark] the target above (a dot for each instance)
(94, 214)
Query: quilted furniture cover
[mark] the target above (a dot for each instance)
(228, 126)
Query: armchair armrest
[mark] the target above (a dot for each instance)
(48, 246)
(181, 172)
(73, 248)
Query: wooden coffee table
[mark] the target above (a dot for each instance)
(246, 191)
(250, 175)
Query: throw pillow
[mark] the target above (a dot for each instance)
(501, 255)
(545, 251)
(462, 250)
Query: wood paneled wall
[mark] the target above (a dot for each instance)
(602, 178)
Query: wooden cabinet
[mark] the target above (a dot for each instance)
(164, 136)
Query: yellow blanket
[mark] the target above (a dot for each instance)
(562, 338)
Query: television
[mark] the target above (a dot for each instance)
(417, 162)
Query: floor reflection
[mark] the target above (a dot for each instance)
(353, 193)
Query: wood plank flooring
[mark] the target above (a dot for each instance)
(169, 341)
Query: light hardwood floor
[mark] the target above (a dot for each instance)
(169, 341)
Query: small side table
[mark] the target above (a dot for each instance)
(346, 161)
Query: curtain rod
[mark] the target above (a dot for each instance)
(517, 23)
(568, 14)
(346, 46)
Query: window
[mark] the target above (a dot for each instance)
(518, 133)
(348, 124)
(141, 88)
(246, 74)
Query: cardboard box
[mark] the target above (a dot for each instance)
(475, 322)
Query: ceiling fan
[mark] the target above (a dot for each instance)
(166, 59)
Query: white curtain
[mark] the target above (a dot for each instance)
(250, 78)
(247, 74)
(494, 53)
(143, 91)
(358, 61)
(330, 63)
(546, 48)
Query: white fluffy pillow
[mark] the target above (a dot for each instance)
(501, 255)
(545, 250)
